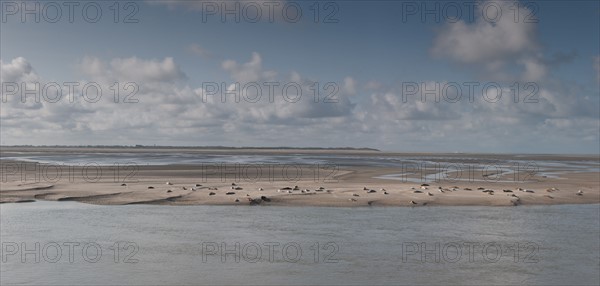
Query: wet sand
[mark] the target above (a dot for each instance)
(344, 186)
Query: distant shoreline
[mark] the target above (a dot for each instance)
(189, 147)
(354, 150)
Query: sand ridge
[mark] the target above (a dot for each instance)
(349, 187)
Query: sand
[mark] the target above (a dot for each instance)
(349, 186)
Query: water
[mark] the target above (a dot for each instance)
(364, 246)
(444, 167)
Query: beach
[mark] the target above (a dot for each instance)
(420, 180)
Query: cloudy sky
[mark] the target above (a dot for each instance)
(306, 74)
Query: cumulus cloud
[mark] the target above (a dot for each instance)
(168, 109)
(534, 70)
(509, 51)
(198, 50)
(350, 85)
(171, 112)
(133, 69)
(18, 69)
(76, 114)
(484, 41)
(373, 85)
(16, 75)
(397, 105)
(247, 72)
(550, 113)
(492, 46)
(292, 99)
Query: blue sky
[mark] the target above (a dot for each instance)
(368, 54)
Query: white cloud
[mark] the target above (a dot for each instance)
(534, 70)
(350, 85)
(14, 76)
(132, 69)
(373, 85)
(493, 47)
(151, 70)
(172, 112)
(169, 111)
(484, 41)
(199, 50)
(284, 107)
(19, 69)
(248, 72)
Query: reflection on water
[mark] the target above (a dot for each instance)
(417, 169)
(245, 245)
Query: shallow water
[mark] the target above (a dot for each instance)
(408, 168)
(175, 245)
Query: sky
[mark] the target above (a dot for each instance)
(509, 77)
